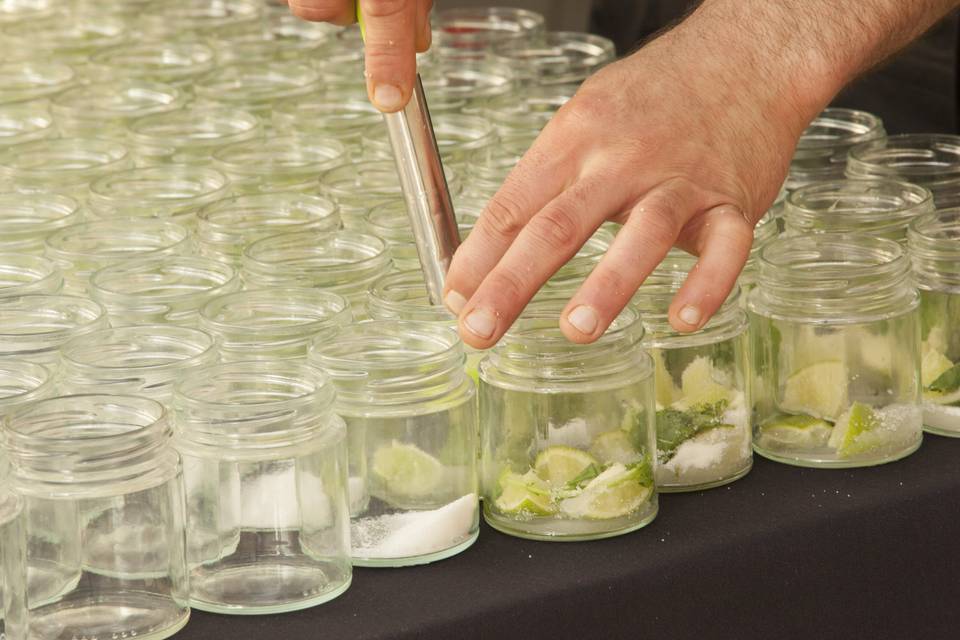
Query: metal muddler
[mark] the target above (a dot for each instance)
(424, 186)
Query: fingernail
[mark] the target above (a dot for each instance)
(481, 323)
(455, 302)
(690, 315)
(584, 319)
(388, 97)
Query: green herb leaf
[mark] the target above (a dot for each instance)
(674, 427)
(948, 381)
(585, 476)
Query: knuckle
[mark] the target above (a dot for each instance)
(315, 10)
(384, 8)
(612, 285)
(557, 228)
(501, 218)
(508, 288)
(659, 230)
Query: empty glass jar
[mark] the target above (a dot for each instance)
(836, 347)
(559, 57)
(27, 219)
(34, 327)
(285, 163)
(228, 226)
(344, 262)
(928, 160)
(567, 430)
(25, 274)
(34, 80)
(23, 122)
(702, 390)
(821, 153)
(190, 19)
(13, 568)
(326, 116)
(283, 37)
(23, 382)
(390, 222)
(104, 109)
(168, 290)
(265, 466)
(174, 63)
(411, 418)
(189, 135)
(934, 245)
(66, 38)
(255, 87)
(882, 208)
(468, 30)
(145, 360)
(104, 514)
(273, 324)
(82, 249)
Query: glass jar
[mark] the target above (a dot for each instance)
(227, 226)
(390, 222)
(168, 290)
(273, 324)
(191, 19)
(27, 219)
(174, 63)
(23, 122)
(935, 252)
(928, 160)
(70, 38)
(34, 327)
(411, 418)
(702, 390)
(168, 191)
(459, 85)
(821, 153)
(567, 430)
(144, 360)
(61, 165)
(81, 249)
(575, 271)
(881, 208)
(22, 382)
(33, 80)
(488, 168)
(265, 465)
(13, 578)
(528, 112)
(104, 507)
(286, 163)
(284, 37)
(105, 109)
(466, 30)
(25, 275)
(189, 135)
(836, 348)
(343, 262)
(559, 57)
(326, 117)
(256, 87)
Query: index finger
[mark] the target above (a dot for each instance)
(391, 53)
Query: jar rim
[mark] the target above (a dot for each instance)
(291, 153)
(388, 299)
(852, 126)
(214, 277)
(87, 315)
(25, 373)
(366, 252)
(86, 102)
(136, 339)
(40, 270)
(337, 305)
(307, 385)
(539, 325)
(208, 183)
(882, 203)
(653, 300)
(38, 78)
(912, 155)
(114, 155)
(351, 345)
(121, 231)
(194, 125)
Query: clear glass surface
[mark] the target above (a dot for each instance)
(927, 160)
(27, 219)
(103, 109)
(189, 135)
(284, 163)
(23, 122)
(822, 149)
(34, 327)
(25, 274)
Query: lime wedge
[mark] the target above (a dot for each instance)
(852, 434)
(560, 464)
(699, 383)
(615, 446)
(407, 471)
(525, 493)
(933, 365)
(666, 390)
(618, 491)
(819, 390)
(802, 432)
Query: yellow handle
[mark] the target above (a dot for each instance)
(363, 27)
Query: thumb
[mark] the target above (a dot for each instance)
(390, 44)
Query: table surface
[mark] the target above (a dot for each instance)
(786, 552)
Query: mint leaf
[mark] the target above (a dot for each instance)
(948, 382)
(646, 470)
(674, 427)
(584, 477)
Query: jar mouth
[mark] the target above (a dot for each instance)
(389, 221)
(280, 386)
(246, 84)
(332, 118)
(467, 80)
(116, 99)
(154, 281)
(294, 154)
(21, 382)
(586, 258)
(207, 125)
(361, 180)
(140, 348)
(403, 296)
(457, 27)
(23, 274)
(934, 242)
(31, 79)
(653, 300)
(47, 317)
(21, 123)
(171, 189)
(118, 238)
(270, 214)
(562, 56)
(275, 311)
(840, 127)
(927, 157)
(851, 205)
(538, 328)
(317, 256)
(170, 61)
(64, 157)
(54, 34)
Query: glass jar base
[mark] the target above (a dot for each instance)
(120, 615)
(703, 486)
(942, 421)
(825, 462)
(246, 589)
(559, 530)
(387, 563)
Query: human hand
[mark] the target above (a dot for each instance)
(683, 145)
(396, 30)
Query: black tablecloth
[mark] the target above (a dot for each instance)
(782, 553)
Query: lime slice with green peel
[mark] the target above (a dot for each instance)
(666, 390)
(933, 365)
(525, 493)
(615, 446)
(406, 470)
(945, 388)
(819, 390)
(852, 434)
(560, 464)
(617, 492)
(801, 431)
(699, 384)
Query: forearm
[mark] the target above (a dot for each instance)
(798, 54)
